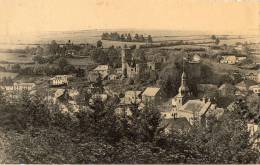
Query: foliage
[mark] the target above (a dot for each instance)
(95, 134)
(114, 36)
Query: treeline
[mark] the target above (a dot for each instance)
(114, 36)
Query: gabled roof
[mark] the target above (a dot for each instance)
(196, 106)
(101, 67)
(245, 83)
(254, 86)
(151, 91)
(25, 84)
(226, 86)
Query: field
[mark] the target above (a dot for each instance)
(7, 74)
(201, 39)
(15, 57)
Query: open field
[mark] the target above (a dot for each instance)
(15, 57)
(7, 74)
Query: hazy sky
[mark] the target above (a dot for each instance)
(21, 16)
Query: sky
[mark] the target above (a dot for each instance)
(217, 16)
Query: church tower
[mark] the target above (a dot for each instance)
(184, 93)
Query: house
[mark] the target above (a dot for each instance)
(151, 95)
(132, 97)
(123, 111)
(23, 86)
(244, 85)
(255, 88)
(70, 52)
(227, 89)
(132, 67)
(65, 99)
(228, 60)
(253, 130)
(59, 80)
(184, 106)
(153, 66)
(103, 70)
(241, 58)
(7, 87)
(194, 110)
(113, 77)
(232, 59)
(239, 47)
(94, 77)
(195, 59)
(251, 76)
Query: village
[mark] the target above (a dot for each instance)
(133, 80)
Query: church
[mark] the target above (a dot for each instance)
(132, 67)
(183, 105)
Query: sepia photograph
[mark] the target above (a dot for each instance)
(130, 82)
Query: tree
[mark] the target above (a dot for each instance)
(129, 38)
(144, 123)
(149, 39)
(99, 44)
(69, 69)
(2, 97)
(62, 62)
(213, 37)
(122, 37)
(39, 59)
(217, 41)
(141, 38)
(39, 51)
(53, 47)
(16, 67)
(136, 37)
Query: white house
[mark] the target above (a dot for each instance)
(255, 88)
(151, 95)
(103, 70)
(59, 80)
(253, 130)
(23, 86)
(132, 97)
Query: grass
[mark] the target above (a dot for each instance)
(15, 57)
(7, 74)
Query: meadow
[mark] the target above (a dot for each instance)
(15, 57)
(8, 74)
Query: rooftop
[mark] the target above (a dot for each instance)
(246, 83)
(226, 86)
(133, 93)
(151, 91)
(196, 105)
(101, 67)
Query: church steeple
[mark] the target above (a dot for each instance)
(183, 89)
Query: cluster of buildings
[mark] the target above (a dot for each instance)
(131, 67)
(180, 112)
(232, 59)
